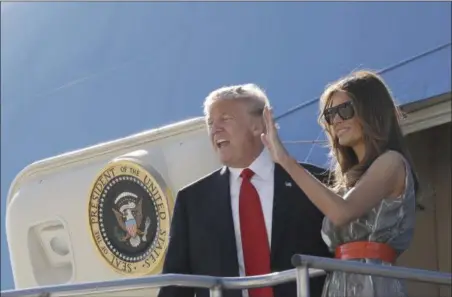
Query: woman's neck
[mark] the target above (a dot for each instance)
(360, 151)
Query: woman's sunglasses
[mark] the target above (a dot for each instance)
(344, 110)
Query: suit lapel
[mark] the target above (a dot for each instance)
(223, 217)
(281, 207)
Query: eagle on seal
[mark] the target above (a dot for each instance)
(130, 218)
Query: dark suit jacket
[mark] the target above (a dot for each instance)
(202, 237)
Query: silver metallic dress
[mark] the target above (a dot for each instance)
(391, 222)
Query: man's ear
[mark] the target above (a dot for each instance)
(258, 127)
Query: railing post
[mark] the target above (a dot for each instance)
(303, 281)
(216, 292)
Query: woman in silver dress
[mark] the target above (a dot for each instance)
(370, 209)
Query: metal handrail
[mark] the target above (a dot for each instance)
(302, 262)
(162, 280)
(155, 281)
(413, 274)
(306, 267)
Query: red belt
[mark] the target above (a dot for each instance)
(366, 250)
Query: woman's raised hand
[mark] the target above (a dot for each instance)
(271, 139)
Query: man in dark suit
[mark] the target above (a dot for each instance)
(247, 218)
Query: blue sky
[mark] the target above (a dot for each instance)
(67, 69)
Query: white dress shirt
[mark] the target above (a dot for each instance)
(263, 180)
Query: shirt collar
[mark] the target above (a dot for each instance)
(262, 166)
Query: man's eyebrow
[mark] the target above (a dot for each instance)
(223, 114)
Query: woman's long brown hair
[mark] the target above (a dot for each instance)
(380, 120)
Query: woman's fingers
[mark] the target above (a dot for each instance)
(264, 139)
(265, 115)
(268, 118)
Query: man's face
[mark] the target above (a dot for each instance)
(234, 132)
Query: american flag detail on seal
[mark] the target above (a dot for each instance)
(131, 226)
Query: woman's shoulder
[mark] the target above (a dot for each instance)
(396, 168)
(390, 163)
(392, 157)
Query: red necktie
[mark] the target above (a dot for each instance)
(256, 251)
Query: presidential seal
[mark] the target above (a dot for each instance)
(129, 217)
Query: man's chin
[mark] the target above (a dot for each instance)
(225, 159)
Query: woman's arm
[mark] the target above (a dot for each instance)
(384, 178)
